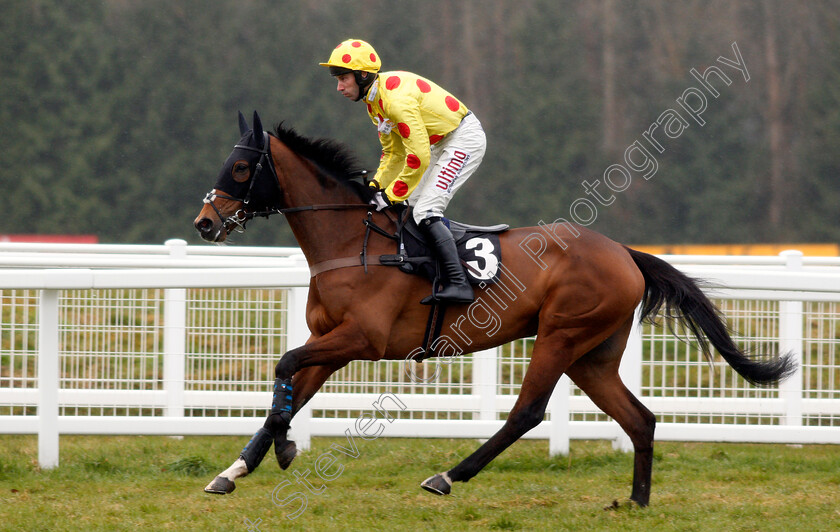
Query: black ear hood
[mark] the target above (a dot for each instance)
(258, 189)
(259, 136)
(243, 124)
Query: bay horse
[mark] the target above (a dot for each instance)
(573, 288)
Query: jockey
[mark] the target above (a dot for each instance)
(431, 144)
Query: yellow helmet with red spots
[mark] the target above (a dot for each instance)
(353, 54)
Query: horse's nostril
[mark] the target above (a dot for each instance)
(204, 225)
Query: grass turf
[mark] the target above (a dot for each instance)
(156, 483)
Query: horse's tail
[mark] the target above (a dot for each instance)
(686, 303)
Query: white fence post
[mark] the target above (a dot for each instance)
(296, 335)
(558, 405)
(48, 379)
(175, 338)
(631, 374)
(790, 341)
(485, 364)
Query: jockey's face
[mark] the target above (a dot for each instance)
(347, 85)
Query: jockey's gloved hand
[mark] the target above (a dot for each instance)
(380, 200)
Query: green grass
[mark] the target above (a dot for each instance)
(155, 483)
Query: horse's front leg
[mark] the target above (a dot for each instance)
(341, 345)
(306, 383)
(303, 385)
(331, 351)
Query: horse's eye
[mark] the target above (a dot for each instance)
(240, 171)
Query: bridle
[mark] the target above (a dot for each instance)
(236, 222)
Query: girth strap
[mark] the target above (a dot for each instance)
(433, 327)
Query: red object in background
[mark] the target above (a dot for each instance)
(52, 239)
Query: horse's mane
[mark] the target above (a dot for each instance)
(333, 159)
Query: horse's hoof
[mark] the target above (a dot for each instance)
(220, 486)
(438, 484)
(285, 454)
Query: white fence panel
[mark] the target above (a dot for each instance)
(180, 340)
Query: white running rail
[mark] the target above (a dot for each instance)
(179, 339)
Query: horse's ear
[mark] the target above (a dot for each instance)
(258, 131)
(243, 124)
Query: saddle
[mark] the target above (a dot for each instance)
(478, 249)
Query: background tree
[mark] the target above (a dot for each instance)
(116, 115)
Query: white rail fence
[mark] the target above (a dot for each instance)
(182, 340)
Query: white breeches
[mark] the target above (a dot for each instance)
(453, 160)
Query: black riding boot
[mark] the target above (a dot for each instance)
(456, 288)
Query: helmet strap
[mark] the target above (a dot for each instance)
(364, 83)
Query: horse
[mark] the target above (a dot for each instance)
(573, 288)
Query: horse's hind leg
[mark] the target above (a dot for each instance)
(306, 383)
(546, 367)
(596, 373)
